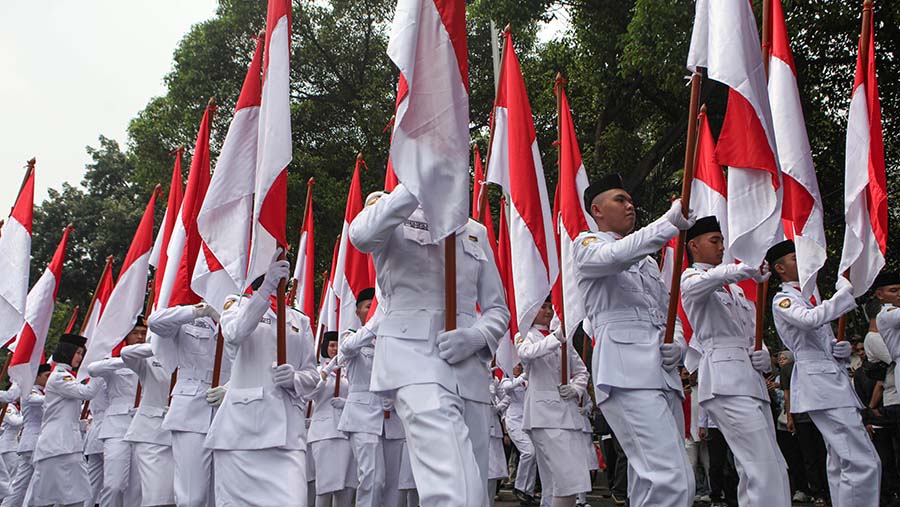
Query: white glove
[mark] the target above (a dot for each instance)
(387, 404)
(283, 375)
(205, 310)
(307, 421)
(671, 355)
(842, 284)
(567, 392)
(338, 403)
(278, 271)
(559, 335)
(761, 361)
(841, 350)
(456, 345)
(764, 273)
(215, 395)
(676, 218)
(585, 410)
(84, 424)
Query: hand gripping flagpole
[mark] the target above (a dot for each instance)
(558, 85)
(690, 150)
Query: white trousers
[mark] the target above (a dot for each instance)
(526, 472)
(368, 450)
(398, 480)
(94, 463)
(342, 498)
(649, 424)
(441, 452)
(854, 469)
(121, 483)
(20, 482)
(747, 425)
(271, 477)
(11, 460)
(156, 469)
(193, 470)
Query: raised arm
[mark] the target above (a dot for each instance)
(166, 323)
(529, 350)
(10, 395)
(134, 357)
(599, 258)
(799, 316)
(373, 225)
(105, 367)
(71, 388)
(697, 284)
(353, 341)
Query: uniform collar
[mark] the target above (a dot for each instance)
(703, 266)
(790, 285)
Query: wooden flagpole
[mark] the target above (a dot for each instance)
(762, 288)
(690, 150)
(558, 85)
(148, 306)
(87, 318)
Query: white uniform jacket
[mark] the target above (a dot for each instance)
(724, 324)
(818, 381)
(99, 404)
(33, 415)
(410, 271)
(257, 414)
(516, 390)
(121, 387)
(325, 418)
(189, 344)
(147, 423)
(9, 430)
(544, 408)
(61, 429)
(888, 323)
(363, 412)
(626, 301)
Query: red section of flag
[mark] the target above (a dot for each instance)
(356, 263)
(251, 91)
(273, 215)
(453, 15)
(143, 237)
(23, 211)
(743, 141)
(72, 319)
(277, 9)
(504, 266)
(176, 195)
(708, 169)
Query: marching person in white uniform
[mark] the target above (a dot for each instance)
(9, 437)
(551, 411)
(526, 472)
(438, 379)
(32, 415)
(93, 446)
(121, 483)
(184, 337)
(399, 483)
(152, 444)
(258, 435)
(497, 464)
(887, 291)
(635, 373)
(335, 478)
(60, 474)
(820, 384)
(730, 382)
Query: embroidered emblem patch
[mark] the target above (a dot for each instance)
(68, 378)
(228, 304)
(372, 200)
(473, 238)
(785, 303)
(588, 240)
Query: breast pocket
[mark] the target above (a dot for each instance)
(186, 387)
(729, 355)
(469, 264)
(821, 368)
(406, 326)
(199, 339)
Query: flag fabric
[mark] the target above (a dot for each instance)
(104, 291)
(184, 244)
(28, 350)
(227, 211)
(506, 354)
(515, 165)
(304, 270)
(570, 217)
(328, 306)
(802, 212)
(725, 40)
(479, 185)
(15, 259)
(274, 150)
(351, 271)
(72, 319)
(430, 144)
(159, 256)
(126, 301)
(865, 180)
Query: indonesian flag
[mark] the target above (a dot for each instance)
(15, 258)
(104, 291)
(479, 185)
(274, 143)
(515, 165)
(571, 217)
(328, 305)
(184, 244)
(430, 145)
(158, 257)
(802, 213)
(304, 270)
(865, 183)
(725, 41)
(351, 271)
(28, 351)
(506, 355)
(72, 319)
(127, 299)
(227, 211)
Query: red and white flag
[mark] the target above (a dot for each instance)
(328, 304)
(506, 355)
(479, 185)
(802, 213)
(104, 291)
(304, 270)
(430, 144)
(15, 259)
(571, 217)
(865, 180)
(351, 271)
(515, 165)
(726, 42)
(274, 144)
(159, 256)
(71, 325)
(227, 211)
(28, 350)
(127, 299)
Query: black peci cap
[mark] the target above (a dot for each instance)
(365, 294)
(886, 278)
(779, 250)
(703, 226)
(608, 182)
(141, 321)
(43, 367)
(73, 339)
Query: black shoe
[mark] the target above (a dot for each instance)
(523, 497)
(618, 500)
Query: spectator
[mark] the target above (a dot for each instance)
(875, 384)
(787, 441)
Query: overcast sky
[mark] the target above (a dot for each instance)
(73, 70)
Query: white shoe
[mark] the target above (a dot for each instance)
(701, 498)
(800, 497)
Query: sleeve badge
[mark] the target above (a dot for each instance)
(588, 240)
(785, 303)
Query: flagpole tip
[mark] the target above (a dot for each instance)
(109, 258)
(262, 33)
(703, 109)
(867, 4)
(70, 227)
(211, 102)
(157, 190)
(507, 28)
(311, 181)
(359, 156)
(31, 162)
